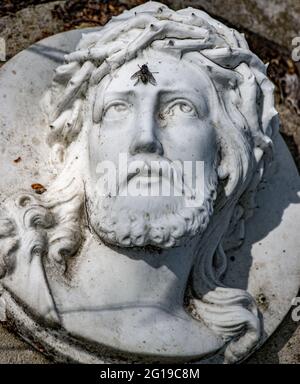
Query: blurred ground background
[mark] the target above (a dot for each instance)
(269, 27)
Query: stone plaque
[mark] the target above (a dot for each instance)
(149, 207)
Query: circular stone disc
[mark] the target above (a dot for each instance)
(268, 263)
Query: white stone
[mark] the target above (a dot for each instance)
(144, 278)
(2, 309)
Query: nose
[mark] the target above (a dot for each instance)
(145, 139)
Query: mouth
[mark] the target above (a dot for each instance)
(153, 173)
(145, 175)
(146, 181)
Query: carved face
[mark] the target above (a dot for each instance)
(167, 122)
(222, 115)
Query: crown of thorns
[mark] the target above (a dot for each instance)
(156, 26)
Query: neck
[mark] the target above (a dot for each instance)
(143, 276)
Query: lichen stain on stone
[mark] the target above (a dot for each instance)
(262, 301)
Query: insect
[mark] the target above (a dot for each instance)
(144, 75)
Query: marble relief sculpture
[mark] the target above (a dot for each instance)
(100, 276)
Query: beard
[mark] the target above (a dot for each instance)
(139, 221)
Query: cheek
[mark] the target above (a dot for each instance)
(190, 139)
(106, 143)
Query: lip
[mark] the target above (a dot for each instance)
(144, 175)
(145, 179)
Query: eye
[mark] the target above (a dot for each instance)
(116, 110)
(181, 107)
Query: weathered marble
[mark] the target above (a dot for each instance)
(85, 280)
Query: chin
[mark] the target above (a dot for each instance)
(160, 222)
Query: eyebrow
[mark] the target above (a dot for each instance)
(115, 94)
(184, 92)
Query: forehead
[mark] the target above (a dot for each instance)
(171, 74)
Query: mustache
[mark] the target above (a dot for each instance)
(150, 167)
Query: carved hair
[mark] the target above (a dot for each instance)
(246, 110)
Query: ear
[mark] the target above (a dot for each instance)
(222, 171)
(57, 156)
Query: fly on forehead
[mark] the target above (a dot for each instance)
(144, 75)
